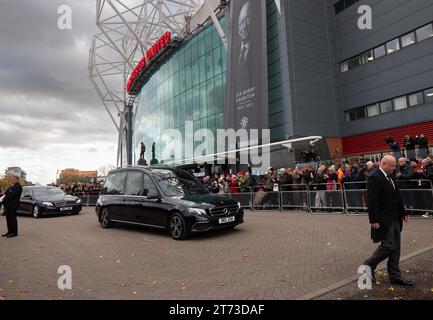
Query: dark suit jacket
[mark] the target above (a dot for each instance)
(384, 204)
(12, 197)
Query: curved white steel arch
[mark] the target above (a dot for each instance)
(128, 28)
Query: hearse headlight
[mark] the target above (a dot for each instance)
(197, 211)
(47, 204)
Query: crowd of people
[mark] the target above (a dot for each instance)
(322, 177)
(409, 144)
(79, 189)
(409, 174)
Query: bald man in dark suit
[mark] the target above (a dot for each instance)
(386, 214)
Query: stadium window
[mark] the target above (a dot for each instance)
(393, 46)
(428, 96)
(379, 52)
(355, 114)
(386, 106)
(408, 39)
(366, 57)
(424, 32)
(360, 113)
(344, 66)
(416, 99)
(400, 103)
(347, 116)
(339, 6)
(354, 62)
(343, 4)
(373, 110)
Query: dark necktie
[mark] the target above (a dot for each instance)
(391, 182)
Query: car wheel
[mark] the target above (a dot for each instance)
(36, 212)
(177, 227)
(2, 210)
(104, 219)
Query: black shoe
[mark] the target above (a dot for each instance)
(11, 235)
(5, 235)
(403, 282)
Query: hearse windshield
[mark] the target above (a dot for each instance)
(179, 183)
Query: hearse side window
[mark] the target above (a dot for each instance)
(149, 186)
(134, 183)
(115, 183)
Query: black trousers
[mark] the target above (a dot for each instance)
(11, 219)
(388, 249)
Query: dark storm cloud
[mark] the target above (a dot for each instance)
(45, 93)
(39, 59)
(50, 116)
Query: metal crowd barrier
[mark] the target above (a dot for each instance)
(295, 196)
(243, 196)
(417, 195)
(264, 199)
(327, 197)
(350, 197)
(355, 196)
(88, 200)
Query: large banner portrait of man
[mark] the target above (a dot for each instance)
(246, 105)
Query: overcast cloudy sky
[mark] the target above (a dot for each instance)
(50, 116)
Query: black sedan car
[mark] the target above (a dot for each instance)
(42, 201)
(165, 198)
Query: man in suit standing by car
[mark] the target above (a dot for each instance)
(11, 203)
(386, 213)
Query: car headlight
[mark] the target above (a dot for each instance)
(239, 205)
(197, 211)
(78, 201)
(47, 204)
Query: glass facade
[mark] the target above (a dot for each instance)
(188, 86)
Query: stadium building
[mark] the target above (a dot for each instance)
(313, 72)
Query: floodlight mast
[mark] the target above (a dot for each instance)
(127, 29)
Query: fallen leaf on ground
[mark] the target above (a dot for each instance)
(391, 289)
(134, 293)
(155, 282)
(10, 281)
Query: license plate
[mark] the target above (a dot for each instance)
(226, 220)
(66, 209)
